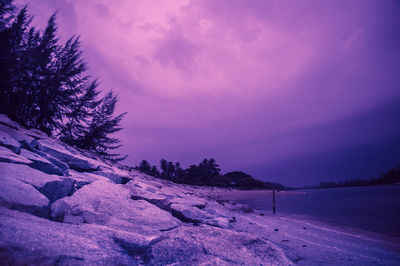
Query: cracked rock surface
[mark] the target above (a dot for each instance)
(60, 205)
(64, 206)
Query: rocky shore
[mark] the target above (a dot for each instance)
(63, 206)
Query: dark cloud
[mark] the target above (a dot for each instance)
(296, 91)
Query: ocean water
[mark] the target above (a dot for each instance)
(375, 208)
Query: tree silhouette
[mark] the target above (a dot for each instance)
(146, 168)
(79, 117)
(102, 124)
(43, 85)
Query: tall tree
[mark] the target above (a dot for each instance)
(43, 85)
(12, 48)
(7, 10)
(61, 70)
(78, 119)
(147, 168)
(104, 123)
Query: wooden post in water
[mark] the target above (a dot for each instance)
(273, 201)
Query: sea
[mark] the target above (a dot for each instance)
(374, 208)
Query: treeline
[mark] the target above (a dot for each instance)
(389, 177)
(206, 173)
(43, 85)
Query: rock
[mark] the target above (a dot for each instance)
(63, 166)
(4, 120)
(42, 164)
(36, 133)
(7, 141)
(187, 213)
(29, 240)
(143, 191)
(51, 186)
(83, 179)
(215, 210)
(15, 194)
(20, 135)
(106, 203)
(8, 156)
(220, 222)
(55, 190)
(75, 161)
(187, 200)
(115, 177)
(203, 245)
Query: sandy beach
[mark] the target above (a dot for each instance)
(307, 241)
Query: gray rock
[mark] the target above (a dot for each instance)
(4, 120)
(75, 161)
(9, 142)
(8, 156)
(221, 222)
(187, 213)
(42, 164)
(63, 166)
(55, 190)
(36, 133)
(204, 244)
(115, 177)
(133, 222)
(83, 179)
(103, 202)
(20, 135)
(51, 186)
(15, 194)
(29, 240)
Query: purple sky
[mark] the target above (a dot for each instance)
(295, 92)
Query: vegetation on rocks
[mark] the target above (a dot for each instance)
(44, 85)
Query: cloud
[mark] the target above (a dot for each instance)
(248, 82)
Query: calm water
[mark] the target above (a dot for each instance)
(370, 208)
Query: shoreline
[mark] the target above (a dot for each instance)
(103, 214)
(392, 239)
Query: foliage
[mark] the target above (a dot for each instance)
(44, 86)
(206, 173)
(389, 177)
(103, 123)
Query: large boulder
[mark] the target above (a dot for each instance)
(203, 245)
(21, 135)
(15, 194)
(148, 192)
(83, 179)
(115, 175)
(52, 186)
(9, 142)
(187, 213)
(75, 160)
(103, 202)
(182, 203)
(29, 240)
(42, 164)
(63, 166)
(4, 120)
(8, 156)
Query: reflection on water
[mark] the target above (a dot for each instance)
(370, 208)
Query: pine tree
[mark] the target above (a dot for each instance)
(60, 77)
(7, 10)
(144, 167)
(78, 118)
(103, 124)
(43, 85)
(11, 61)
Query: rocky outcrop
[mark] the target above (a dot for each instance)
(60, 205)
